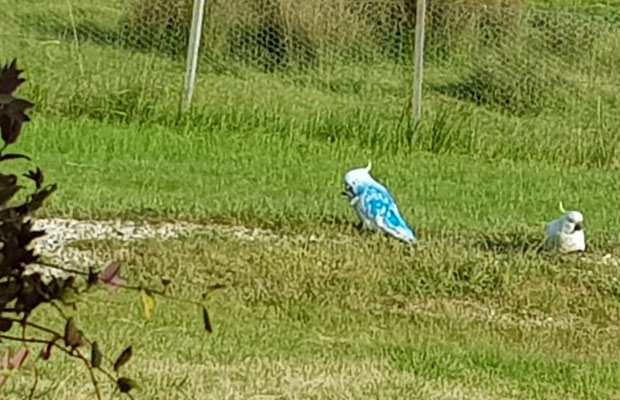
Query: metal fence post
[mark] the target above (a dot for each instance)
(418, 72)
(192, 54)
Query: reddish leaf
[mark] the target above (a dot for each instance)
(110, 276)
(115, 283)
(36, 176)
(8, 291)
(73, 336)
(12, 117)
(12, 110)
(93, 278)
(165, 282)
(205, 319)
(46, 352)
(126, 384)
(5, 324)
(8, 187)
(110, 272)
(9, 78)
(95, 356)
(30, 297)
(123, 358)
(19, 358)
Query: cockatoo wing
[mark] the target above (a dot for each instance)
(554, 227)
(381, 208)
(557, 236)
(552, 233)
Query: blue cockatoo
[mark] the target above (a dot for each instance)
(375, 206)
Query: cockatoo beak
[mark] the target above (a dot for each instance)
(578, 227)
(348, 191)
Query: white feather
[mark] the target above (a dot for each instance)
(566, 233)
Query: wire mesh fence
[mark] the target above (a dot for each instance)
(126, 58)
(115, 49)
(521, 61)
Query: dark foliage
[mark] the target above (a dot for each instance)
(24, 290)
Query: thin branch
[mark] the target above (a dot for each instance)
(36, 381)
(25, 323)
(23, 340)
(60, 311)
(57, 267)
(11, 310)
(161, 293)
(74, 354)
(88, 365)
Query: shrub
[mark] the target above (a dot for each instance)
(25, 286)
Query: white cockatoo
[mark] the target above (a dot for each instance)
(375, 206)
(566, 233)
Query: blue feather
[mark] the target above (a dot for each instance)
(380, 209)
(375, 206)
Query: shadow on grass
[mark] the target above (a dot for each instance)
(509, 243)
(267, 48)
(167, 42)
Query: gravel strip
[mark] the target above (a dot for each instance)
(61, 232)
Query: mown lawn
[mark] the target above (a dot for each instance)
(474, 312)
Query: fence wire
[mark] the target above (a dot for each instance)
(127, 57)
(520, 60)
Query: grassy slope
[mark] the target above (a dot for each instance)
(357, 318)
(228, 176)
(307, 321)
(469, 314)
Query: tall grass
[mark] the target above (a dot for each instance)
(520, 88)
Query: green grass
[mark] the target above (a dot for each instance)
(474, 312)
(201, 175)
(355, 319)
(367, 104)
